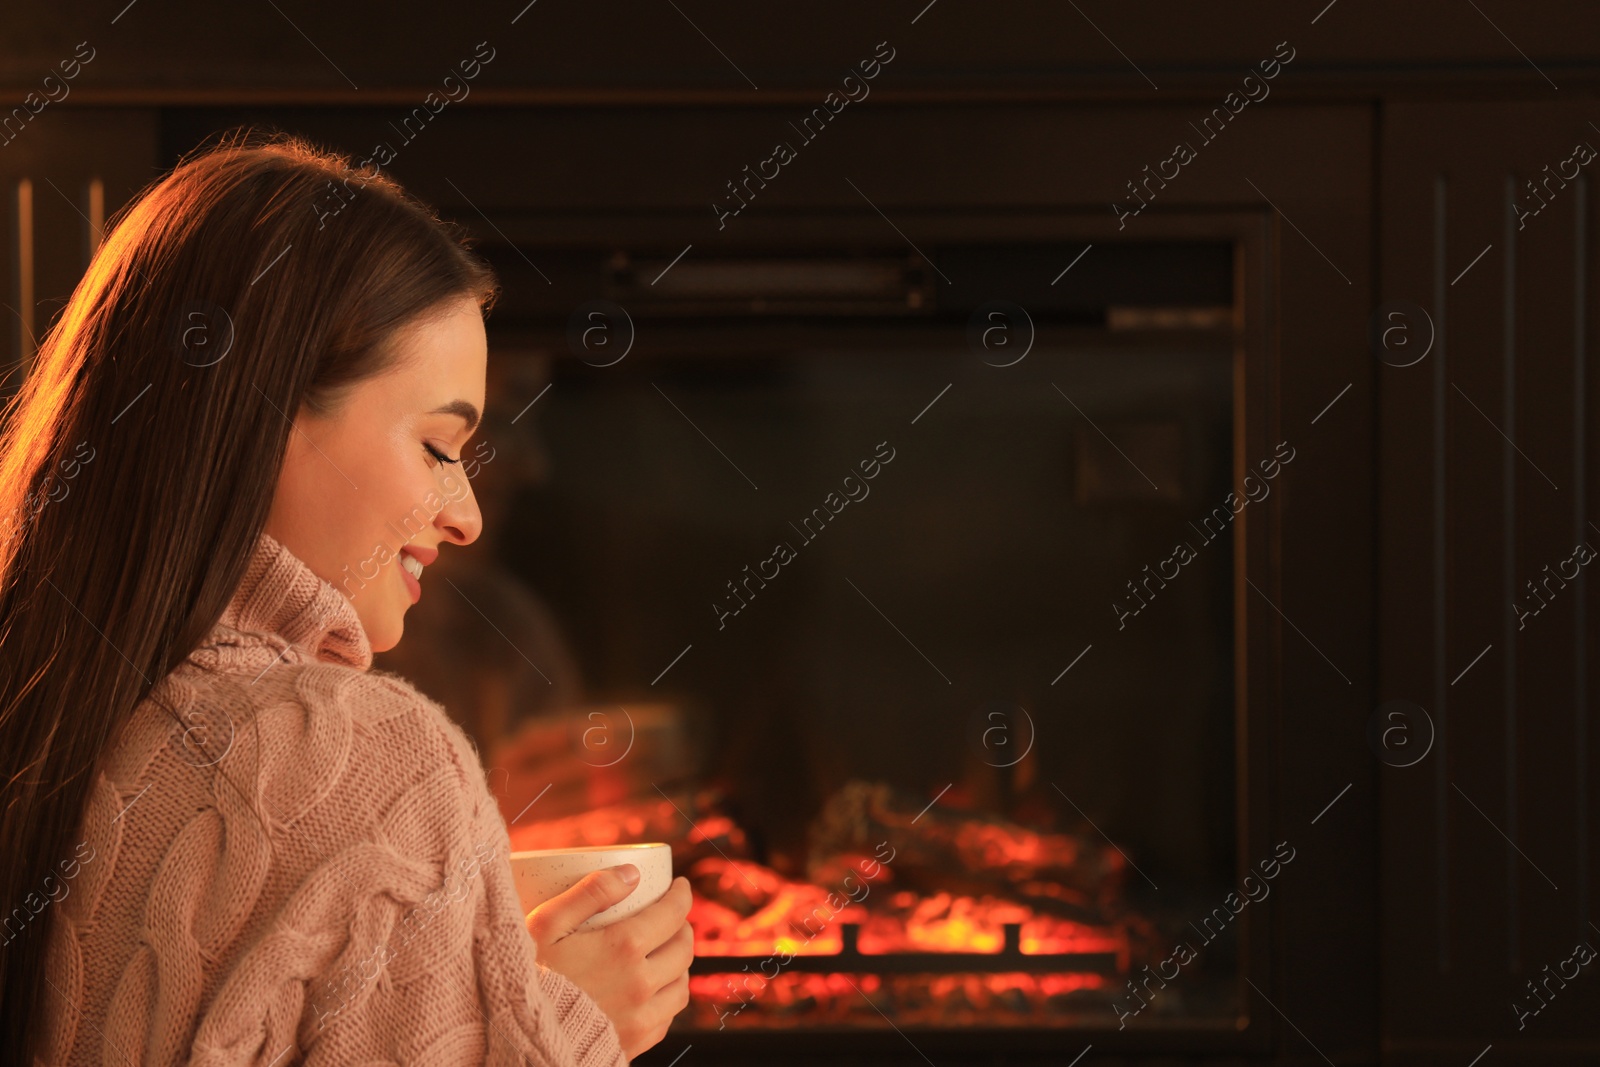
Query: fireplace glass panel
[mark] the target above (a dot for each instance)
(927, 741)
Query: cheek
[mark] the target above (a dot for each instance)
(368, 502)
(402, 503)
(315, 511)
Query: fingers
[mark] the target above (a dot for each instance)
(594, 893)
(663, 1006)
(652, 926)
(679, 947)
(671, 961)
(673, 997)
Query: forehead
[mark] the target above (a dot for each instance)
(444, 353)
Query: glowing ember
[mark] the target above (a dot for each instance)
(1061, 893)
(858, 999)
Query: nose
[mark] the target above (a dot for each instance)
(459, 519)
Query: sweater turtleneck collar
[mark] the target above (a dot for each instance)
(281, 595)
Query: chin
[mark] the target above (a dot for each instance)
(384, 628)
(385, 639)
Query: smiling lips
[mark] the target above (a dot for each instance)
(412, 561)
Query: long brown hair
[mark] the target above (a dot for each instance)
(139, 458)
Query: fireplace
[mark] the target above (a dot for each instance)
(866, 567)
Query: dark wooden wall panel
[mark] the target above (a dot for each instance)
(59, 154)
(1484, 483)
(349, 52)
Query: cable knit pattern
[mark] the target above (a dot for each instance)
(304, 866)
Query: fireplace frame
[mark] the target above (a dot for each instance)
(1257, 650)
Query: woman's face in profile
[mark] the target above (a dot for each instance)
(363, 490)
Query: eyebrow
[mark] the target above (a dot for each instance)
(468, 413)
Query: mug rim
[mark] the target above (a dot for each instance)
(588, 848)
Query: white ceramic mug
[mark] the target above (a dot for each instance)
(548, 872)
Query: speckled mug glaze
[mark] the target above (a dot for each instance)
(548, 872)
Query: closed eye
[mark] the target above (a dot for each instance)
(440, 456)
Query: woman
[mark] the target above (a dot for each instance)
(228, 840)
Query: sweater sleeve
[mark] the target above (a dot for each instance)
(581, 1022)
(449, 975)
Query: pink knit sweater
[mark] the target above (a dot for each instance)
(306, 868)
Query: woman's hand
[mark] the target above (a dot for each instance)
(636, 969)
